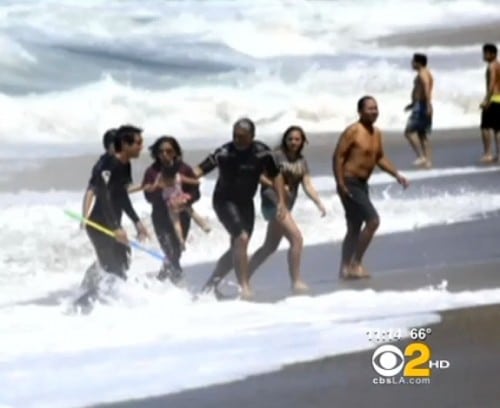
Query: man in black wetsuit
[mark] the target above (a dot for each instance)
(110, 177)
(89, 197)
(241, 163)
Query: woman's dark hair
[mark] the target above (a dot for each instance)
(291, 129)
(155, 147)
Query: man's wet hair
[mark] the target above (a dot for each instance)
(245, 123)
(420, 59)
(490, 49)
(362, 101)
(108, 138)
(125, 134)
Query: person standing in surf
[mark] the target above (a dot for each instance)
(167, 155)
(241, 162)
(359, 150)
(490, 107)
(295, 171)
(419, 123)
(109, 182)
(89, 196)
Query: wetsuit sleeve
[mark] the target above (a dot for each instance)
(270, 162)
(128, 174)
(211, 161)
(125, 202)
(102, 181)
(127, 207)
(94, 174)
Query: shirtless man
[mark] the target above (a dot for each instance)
(420, 120)
(358, 151)
(490, 117)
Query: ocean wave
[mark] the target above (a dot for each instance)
(191, 68)
(319, 100)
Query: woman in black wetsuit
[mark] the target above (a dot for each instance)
(166, 152)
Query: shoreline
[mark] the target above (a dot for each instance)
(468, 338)
(48, 174)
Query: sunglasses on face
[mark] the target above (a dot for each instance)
(167, 150)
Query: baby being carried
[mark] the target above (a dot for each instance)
(170, 181)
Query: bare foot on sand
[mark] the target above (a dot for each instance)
(246, 293)
(419, 161)
(487, 159)
(300, 288)
(360, 271)
(348, 273)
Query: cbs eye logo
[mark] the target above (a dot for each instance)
(388, 360)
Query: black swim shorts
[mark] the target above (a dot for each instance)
(358, 207)
(235, 217)
(490, 117)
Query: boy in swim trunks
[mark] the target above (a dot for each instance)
(419, 123)
(490, 115)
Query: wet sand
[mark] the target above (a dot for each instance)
(72, 173)
(450, 37)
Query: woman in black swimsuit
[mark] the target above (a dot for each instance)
(295, 171)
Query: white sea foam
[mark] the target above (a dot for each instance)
(319, 100)
(157, 341)
(42, 250)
